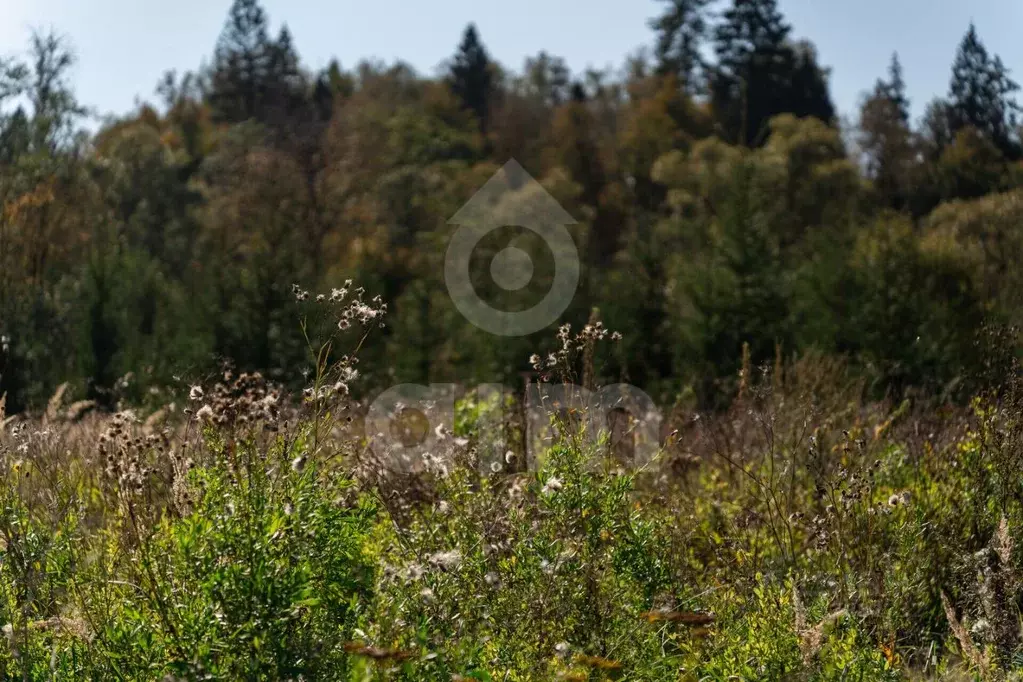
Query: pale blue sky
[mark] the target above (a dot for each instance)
(125, 45)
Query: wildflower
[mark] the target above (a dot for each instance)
(298, 464)
(534, 361)
(447, 560)
(509, 457)
(553, 484)
(491, 579)
(195, 393)
(562, 648)
(495, 467)
(894, 501)
(205, 413)
(616, 336)
(981, 628)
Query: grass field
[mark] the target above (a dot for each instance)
(801, 534)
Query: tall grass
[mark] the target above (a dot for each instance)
(802, 534)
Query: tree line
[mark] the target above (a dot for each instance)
(720, 204)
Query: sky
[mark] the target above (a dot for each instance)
(124, 46)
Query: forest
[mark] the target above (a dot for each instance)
(201, 299)
(717, 202)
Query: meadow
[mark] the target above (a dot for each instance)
(803, 533)
(816, 313)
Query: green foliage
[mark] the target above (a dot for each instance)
(818, 537)
(980, 95)
(716, 205)
(264, 577)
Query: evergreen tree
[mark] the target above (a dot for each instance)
(253, 76)
(680, 34)
(804, 90)
(894, 89)
(935, 129)
(760, 74)
(241, 63)
(886, 139)
(284, 74)
(980, 95)
(470, 76)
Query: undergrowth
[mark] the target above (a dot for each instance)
(803, 534)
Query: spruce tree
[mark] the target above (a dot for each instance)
(886, 138)
(470, 76)
(680, 31)
(255, 77)
(761, 74)
(285, 85)
(241, 64)
(894, 89)
(980, 95)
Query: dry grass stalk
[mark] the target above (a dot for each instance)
(980, 661)
(56, 402)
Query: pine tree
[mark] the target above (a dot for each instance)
(980, 95)
(680, 34)
(886, 138)
(241, 63)
(894, 89)
(761, 74)
(285, 85)
(470, 76)
(254, 77)
(750, 29)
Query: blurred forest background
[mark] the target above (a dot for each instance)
(719, 201)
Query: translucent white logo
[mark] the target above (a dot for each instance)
(511, 198)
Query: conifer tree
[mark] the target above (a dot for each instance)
(980, 95)
(241, 63)
(761, 74)
(681, 30)
(254, 76)
(470, 76)
(886, 138)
